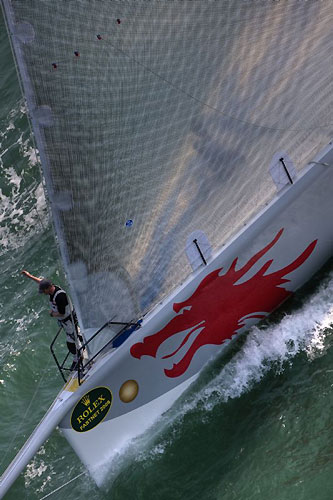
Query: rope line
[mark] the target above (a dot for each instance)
(60, 487)
(188, 94)
(205, 104)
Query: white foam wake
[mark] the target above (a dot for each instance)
(271, 347)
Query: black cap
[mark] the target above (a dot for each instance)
(44, 285)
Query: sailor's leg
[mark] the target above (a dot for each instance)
(72, 349)
(69, 328)
(70, 332)
(70, 338)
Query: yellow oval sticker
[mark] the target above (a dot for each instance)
(91, 409)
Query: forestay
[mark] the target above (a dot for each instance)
(156, 119)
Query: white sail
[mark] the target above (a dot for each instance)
(158, 119)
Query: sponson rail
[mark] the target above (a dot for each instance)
(116, 340)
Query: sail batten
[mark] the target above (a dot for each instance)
(167, 114)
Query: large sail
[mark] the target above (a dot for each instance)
(156, 119)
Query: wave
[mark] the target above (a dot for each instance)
(23, 210)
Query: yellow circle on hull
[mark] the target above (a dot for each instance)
(128, 391)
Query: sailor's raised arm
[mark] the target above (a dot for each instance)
(31, 276)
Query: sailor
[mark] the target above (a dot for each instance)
(62, 310)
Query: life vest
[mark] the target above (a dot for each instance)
(54, 306)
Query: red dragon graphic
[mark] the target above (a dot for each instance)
(219, 307)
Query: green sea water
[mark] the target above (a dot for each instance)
(256, 425)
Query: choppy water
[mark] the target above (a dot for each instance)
(257, 424)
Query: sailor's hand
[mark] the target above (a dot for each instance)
(26, 273)
(51, 313)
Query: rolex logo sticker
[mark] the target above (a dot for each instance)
(91, 409)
